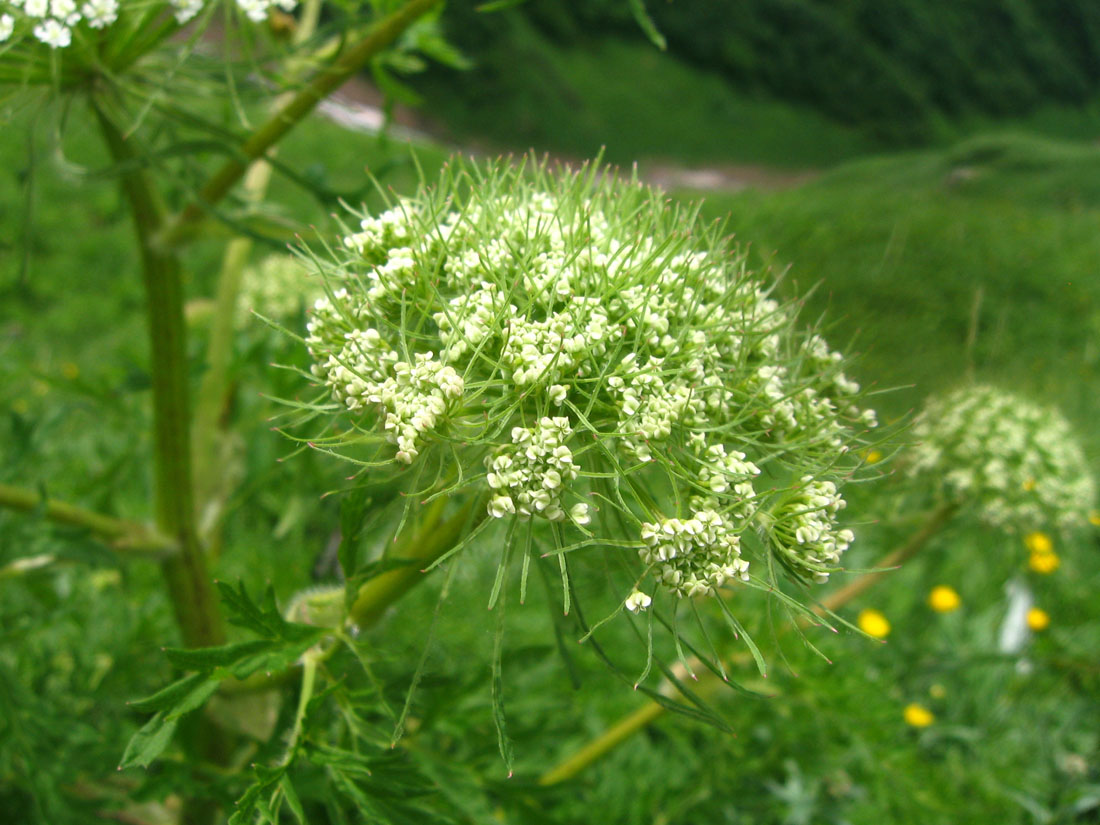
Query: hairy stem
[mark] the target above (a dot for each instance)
(651, 711)
(188, 582)
(129, 536)
(324, 83)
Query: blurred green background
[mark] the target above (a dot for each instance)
(931, 168)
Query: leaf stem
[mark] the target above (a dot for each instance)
(126, 536)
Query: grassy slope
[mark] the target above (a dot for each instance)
(641, 103)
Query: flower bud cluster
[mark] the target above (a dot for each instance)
(529, 477)
(276, 288)
(693, 556)
(1016, 463)
(54, 22)
(590, 307)
(810, 539)
(411, 397)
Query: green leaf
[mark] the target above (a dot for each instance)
(208, 658)
(292, 800)
(168, 697)
(646, 24)
(265, 620)
(148, 743)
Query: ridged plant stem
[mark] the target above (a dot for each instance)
(188, 581)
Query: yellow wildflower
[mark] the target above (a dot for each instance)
(944, 599)
(873, 623)
(874, 456)
(1029, 485)
(1038, 619)
(1039, 542)
(1094, 518)
(918, 716)
(1044, 563)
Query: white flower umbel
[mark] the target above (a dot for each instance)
(594, 349)
(529, 477)
(55, 23)
(1014, 463)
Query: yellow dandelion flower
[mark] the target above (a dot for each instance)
(1029, 485)
(874, 456)
(1038, 619)
(1094, 518)
(1044, 563)
(873, 623)
(918, 716)
(944, 599)
(1039, 542)
(937, 691)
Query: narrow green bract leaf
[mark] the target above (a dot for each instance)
(148, 743)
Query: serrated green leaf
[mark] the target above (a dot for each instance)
(264, 620)
(149, 742)
(208, 658)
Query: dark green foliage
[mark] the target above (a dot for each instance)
(894, 69)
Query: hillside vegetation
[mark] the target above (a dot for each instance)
(738, 74)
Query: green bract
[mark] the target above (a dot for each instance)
(583, 355)
(1014, 462)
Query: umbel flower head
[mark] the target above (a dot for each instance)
(592, 361)
(1014, 463)
(58, 23)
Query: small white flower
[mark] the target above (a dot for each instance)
(7, 26)
(53, 34)
(637, 601)
(579, 513)
(558, 393)
(36, 8)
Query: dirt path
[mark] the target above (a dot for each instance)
(358, 107)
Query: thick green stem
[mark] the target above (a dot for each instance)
(432, 539)
(189, 584)
(651, 711)
(324, 83)
(129, 536)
